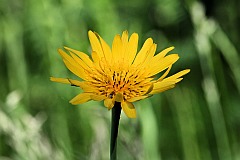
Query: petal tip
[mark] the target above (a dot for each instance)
(67, 48)
(90, 31)
(172, 47)
(60, 51)
(72, 102)
(125, 32)
(188, 70)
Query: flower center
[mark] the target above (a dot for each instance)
(124, 83)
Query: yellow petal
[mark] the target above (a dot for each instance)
(106, 50)
(149, 89)
(165, 73)
(150, 53)
(178, 80)
(117, 49)
(132, 48)
(95, 44)
(136, 98)
(142, 53)
(96, 97)
(77, 70)
(82, 85)
(67, 81)
(177, 75)
(82, 55)
(109, 103)
(80, 62)
(81, 98)
(76, 83)
(88, 88)
(95, 57)
(72, 65)
(125, 43)
(128, 109)
(163, 64)
(66, 57)
(162, 86)
(60, 80)
(149, 56)
(163, 53)
(125, 39)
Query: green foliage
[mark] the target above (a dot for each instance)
(199, 119)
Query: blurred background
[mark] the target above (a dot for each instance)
(198, 120)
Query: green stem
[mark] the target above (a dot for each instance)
(116, 111)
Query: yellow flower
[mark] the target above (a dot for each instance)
(119, 74)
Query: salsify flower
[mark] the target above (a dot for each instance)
(119, 74)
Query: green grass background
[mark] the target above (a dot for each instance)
(198, 120)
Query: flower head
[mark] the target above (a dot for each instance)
(119, 74)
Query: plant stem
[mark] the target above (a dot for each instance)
(116, 111)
